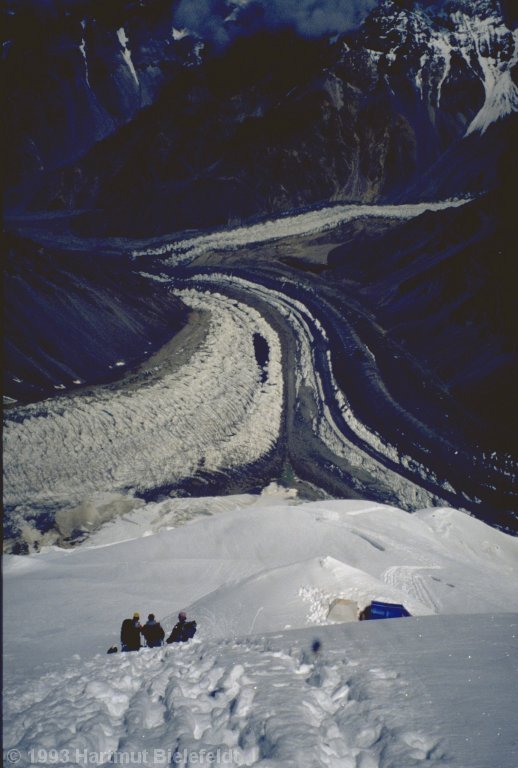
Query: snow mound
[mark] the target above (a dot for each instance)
(248, 564)
(292, 596)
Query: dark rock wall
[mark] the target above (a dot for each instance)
(68, 84)
(273, 121)
(442, 285)
(71, 316)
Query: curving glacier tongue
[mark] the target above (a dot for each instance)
(220, 411)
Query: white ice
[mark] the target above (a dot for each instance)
(82, 48)
(501, 93)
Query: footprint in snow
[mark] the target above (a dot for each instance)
(421, 746)
(383, 674)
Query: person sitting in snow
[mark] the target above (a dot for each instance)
(183, 630)
(153, 632)
(130, 633)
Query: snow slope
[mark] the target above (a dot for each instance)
(288, 560)
(434, 690)
(269, 680)
(393, 693)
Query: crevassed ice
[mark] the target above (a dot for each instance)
(214, 413)
(187, 249)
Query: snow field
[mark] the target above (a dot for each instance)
(371, 695)
(257, 705)
(269, 680)
(249, 568)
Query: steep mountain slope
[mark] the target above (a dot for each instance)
(275, 120)
(75, 72)
(442, 286)
(72, 317)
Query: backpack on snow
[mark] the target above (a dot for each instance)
(130, 635)
(189, 630)
(153, 634)
(182, 632)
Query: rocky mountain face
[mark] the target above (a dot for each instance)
(268, 122)
(441, 286)
(75, 73)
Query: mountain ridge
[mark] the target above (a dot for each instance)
(273, 120)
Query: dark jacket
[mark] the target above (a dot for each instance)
(153, 634)
(130, 635)
(182, 632)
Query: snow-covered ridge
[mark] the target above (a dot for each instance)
(270, 553)
(476, 34)
(185, 250)
(251, 688)
(497, 53)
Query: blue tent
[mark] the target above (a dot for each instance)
(379, 610)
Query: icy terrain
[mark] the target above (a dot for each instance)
(258, 365)
(123, 40)
(270, 679)
(186, 249)
(473, 35)
(216, 411)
